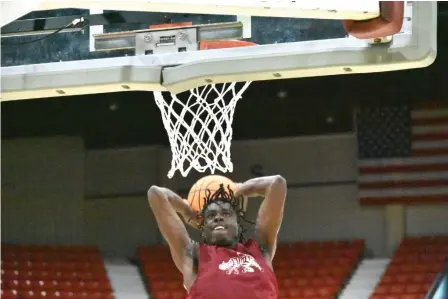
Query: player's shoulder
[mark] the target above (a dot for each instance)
(260, 246)
(255, 244)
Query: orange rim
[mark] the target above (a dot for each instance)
(159, 26)
(224, 44)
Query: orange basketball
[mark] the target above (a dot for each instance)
(211, 183)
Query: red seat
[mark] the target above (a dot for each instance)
(282, 273)
(72, 275)
(283, 293)
(66, 286)
(179, 294)
(308, 262)
(29, 294)
(412, 269)
(286, 283)
(27, 275)
(9, 275)
(8, 255)
(343, 261)
(54, 272)
(309, 292)
(30, 284)
(11, 284)
(95, 295)
(301, 282)
(294, 292)
(412, 296)
(360, 244)
(51, 284)
(161, 295)
(387, 278)
(438, 258)
(94, 286)
(60, 294)
(403, 278)
(10, 264)
(85, 266)
(9, 294)
(34, 266)
(397, 289)
(338, 271)
(332, 280)
(157, 284)
(381, 290)
(413, 288)
(327, 291)
(324, 270)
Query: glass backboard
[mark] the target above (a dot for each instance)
(111, 46)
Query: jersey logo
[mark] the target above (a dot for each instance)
(242, 263)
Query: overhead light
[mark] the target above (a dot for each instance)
(282, 94)
(329, 119)
(113, 106)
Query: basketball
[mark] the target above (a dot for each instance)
(211, 183)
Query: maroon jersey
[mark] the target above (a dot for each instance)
(233, 273)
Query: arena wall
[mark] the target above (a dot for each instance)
(53, 191)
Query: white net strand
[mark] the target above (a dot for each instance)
(200, 128)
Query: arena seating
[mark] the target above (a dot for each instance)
(317, 270)
(52, 272)
(413, 268)
(304, 270)
(161, 275)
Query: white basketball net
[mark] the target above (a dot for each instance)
(200, 128)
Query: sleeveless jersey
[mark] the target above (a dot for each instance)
(226, 273)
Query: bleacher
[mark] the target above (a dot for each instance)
(413, 268)
(317, 270)
(52, 272)
(161, 275)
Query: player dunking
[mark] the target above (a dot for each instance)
(224, 265)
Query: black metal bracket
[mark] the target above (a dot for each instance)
(48, 25)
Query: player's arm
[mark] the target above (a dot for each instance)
(166, 205)
(270, 214)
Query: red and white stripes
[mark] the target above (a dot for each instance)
(421, 178)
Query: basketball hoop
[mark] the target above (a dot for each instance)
(200, 128)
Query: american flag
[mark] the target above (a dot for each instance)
(402, 155)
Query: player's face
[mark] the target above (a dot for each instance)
(220, 224)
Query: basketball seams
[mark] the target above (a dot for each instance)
(197, 194)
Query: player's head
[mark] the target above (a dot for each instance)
(221, 218)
